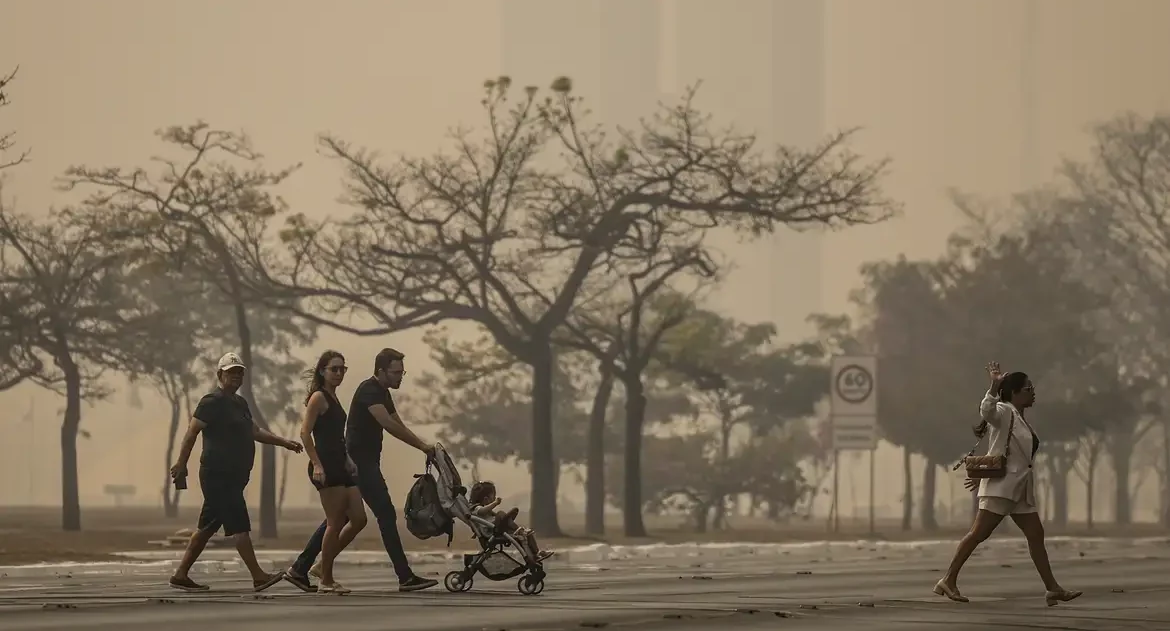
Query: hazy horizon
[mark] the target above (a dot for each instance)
(984, 96)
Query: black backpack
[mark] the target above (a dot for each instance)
(425, 516)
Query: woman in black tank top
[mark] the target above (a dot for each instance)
(329, 440)
(330, 469)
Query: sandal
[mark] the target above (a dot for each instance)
(269, 581)
(334, 588)
(1062, 596)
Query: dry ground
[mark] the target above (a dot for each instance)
(31, 535)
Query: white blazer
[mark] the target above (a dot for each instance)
(1018, 483)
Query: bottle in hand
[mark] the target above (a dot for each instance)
(181, 481)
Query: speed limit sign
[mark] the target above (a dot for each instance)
(854, 386)
(853, 398)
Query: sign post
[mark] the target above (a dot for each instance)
(853, 413)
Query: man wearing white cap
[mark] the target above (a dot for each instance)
(229, 450)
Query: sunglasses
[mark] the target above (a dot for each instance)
(337, 369)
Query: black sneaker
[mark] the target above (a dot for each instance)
(416, 583)
(300, 582)
(187, 585)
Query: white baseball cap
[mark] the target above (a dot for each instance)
(229, 361)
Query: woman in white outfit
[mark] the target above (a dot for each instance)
(1013, 494)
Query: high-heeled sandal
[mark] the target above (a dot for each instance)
(942, 589)
(1062, 596)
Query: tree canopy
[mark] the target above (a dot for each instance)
(510, 229)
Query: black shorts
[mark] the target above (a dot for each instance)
(224, 505)
(335, 475)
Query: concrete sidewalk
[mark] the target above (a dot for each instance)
(224, 561)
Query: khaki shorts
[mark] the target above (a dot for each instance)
(1004, 506)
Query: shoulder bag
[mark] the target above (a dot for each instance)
(989, 466)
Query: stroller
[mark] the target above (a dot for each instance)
(501, 556)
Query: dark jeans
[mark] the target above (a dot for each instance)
(372, 486)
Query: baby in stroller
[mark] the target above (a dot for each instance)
(484, 503)
(506, 551)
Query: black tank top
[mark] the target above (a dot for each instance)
(329, 433)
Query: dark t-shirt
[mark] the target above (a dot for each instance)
(228, 445)
(363, 432)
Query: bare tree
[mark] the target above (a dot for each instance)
(207, 213)
(16, 362)
(623, 329)
(169, 364)
(1119, 209)
(79, 313)
(7, 138)
(506, 231)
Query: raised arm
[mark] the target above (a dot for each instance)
(989, 408)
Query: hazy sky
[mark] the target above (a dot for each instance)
(983, 95)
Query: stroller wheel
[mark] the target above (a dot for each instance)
(529, 585)
(454, 582)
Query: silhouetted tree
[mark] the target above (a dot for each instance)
(7, 138)
(16, 362)
(79, 315)
(206, 213)
(484, 414)
(1115, 207)
(498, 235)
(622, 329)
(1011, 297)
(740, 379)
(683, 472)
(181, 359)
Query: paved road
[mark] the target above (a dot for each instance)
(1126, 587)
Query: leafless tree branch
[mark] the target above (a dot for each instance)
(7, 139)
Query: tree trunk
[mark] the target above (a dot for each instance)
(1164, 516)
(719, 497)
(70, 427)
(929, 475)
(1058, 480)
(773, 511)
(1121, 454)
(699, 516)
(543, 507)
(284, 458)
(1090, 486)
(1057, 465)
(907, 491)
(595, 457)
(169, 493)
(632, 484)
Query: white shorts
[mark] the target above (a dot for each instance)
(1004, 506)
